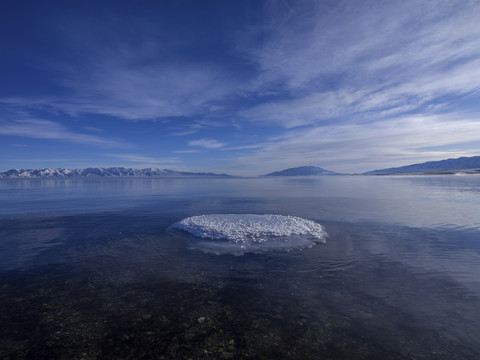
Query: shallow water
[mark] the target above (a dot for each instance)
(89, 270)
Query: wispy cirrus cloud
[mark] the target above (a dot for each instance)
(356, 84)
(356, 148)
(206, 143)
(374, 102)
(185, 132)
(329, 60)
(94, 129)
(135, 158)
(187, 151)
(46, 129)
(149, 78)
(151, 92)
(190, 129)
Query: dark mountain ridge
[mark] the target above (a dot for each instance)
(302, 171)
(441, 165)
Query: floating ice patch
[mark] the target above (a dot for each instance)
(238, 234)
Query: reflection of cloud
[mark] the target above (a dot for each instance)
(23, 248)
(45, 129)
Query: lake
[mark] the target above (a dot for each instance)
(90, 269)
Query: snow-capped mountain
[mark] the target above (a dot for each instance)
(98, 172)
(302, 171)
(448, 164)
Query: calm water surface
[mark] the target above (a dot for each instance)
(88, 270)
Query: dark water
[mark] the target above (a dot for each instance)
(88, 270)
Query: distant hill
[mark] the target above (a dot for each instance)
(302, 171)
(442, 165)
(99, 172)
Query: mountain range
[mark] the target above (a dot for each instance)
(448, 166)
(100, 172)
(432, 166)
(463, 164)
(302, 171)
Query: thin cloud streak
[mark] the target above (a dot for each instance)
(357, 148)
(185, 133)
(388, 61)
(46, 129)
(187, 151)
(148, 79)
(134, 158)
(371, 103)
(147, 93)
(206, 143)
(351, 85)
(317, 40)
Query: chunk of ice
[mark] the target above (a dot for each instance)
(240, 233)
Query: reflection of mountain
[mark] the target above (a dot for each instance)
(303, 171)
(99, 172)
(442, 165)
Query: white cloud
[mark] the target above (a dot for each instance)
(94, 129)
(46, 129)
(114, 89)
(206, 143)
(370, 103)
(360, 147)
(361, 38)
(187, 151)
(365, 59)
(134, 158)
(145, 79)
(185, 132)
(354, 85)
(190, 129)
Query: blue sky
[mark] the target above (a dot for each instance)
(243, 87)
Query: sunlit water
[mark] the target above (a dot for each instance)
(91, 269)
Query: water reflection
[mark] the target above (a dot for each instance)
(88, 270)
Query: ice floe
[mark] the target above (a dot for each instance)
(241, 233)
